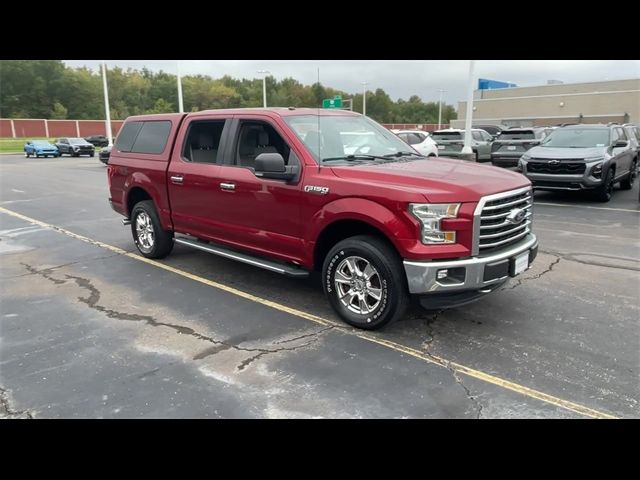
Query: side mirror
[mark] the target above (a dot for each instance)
(620, 144)
(271, 165)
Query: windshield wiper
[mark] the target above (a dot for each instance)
(402, 154)
(359, 156)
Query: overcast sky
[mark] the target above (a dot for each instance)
(399, 78)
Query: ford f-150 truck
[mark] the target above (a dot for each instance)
(277, 188)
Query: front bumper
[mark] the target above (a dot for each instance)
(472, 274)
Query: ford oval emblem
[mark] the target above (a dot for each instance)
(516, 216)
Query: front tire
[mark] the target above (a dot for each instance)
(604, 192)
(627, 183)
(152, 241)
(363, 279)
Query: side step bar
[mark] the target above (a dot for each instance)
(270, 265)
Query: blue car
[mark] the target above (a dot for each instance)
(40, 148)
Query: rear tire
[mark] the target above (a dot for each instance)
(627, 183)
(604, 192)
(371, 289)
(152, 241)
(27, 155)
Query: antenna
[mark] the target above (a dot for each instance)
(319, 134)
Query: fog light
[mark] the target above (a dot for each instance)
(442, 274)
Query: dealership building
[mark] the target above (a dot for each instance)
(554, 104)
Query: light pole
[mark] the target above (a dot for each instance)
(180, 104)
(467, 124)
(364, 98)
(106, 104)
(440, 109)
(264, 86)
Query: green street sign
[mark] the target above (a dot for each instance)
(332, 102)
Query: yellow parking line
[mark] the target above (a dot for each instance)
(458, 368)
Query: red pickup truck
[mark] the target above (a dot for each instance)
(294, 190)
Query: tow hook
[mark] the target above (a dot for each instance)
(126, 221)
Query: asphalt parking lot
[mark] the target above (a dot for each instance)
(90, 329)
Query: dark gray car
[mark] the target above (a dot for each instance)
(507, 149)
(582, 157)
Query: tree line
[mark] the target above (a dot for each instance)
(50, 89)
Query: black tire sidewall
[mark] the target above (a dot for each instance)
(602, 194)
(161, 237)
(390, 284)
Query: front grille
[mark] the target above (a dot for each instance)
(495, 231)
(562, 167)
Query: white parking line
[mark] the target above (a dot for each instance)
(573, 205)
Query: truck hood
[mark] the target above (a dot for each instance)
(439, 179)
(561, 153)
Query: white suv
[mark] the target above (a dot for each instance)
(419, 140)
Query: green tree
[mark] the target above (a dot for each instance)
(58, 111)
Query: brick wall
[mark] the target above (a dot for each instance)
(25, 128)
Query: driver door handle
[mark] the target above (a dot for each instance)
(227, 186)
(177, 179)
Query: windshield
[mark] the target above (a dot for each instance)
(341, 136)
(447, 136)
(577, 138)
(40, 142)
(77, 140)
(517, 135)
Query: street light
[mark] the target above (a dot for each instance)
(264, 87)
(106, 104)
(466, 150)
(364, 98)
(180, 104)
(440, 109)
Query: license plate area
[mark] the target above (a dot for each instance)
(519, 264)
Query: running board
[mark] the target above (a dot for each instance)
(270, 265)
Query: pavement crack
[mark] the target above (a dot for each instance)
(45, 272)
(289, 340)
(467, 392)
(520, 281)
(571, 257)
(92, 300)
(430, 330)
(7, 411)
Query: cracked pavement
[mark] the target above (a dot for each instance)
(89, 333)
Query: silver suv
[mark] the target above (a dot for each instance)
(582, 157)
(451, 141)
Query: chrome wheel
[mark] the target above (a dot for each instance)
(358, 285)
(144, 231)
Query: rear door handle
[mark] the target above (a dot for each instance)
(227, 186)
(177, 179)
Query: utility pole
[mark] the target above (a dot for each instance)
(364, 98)
(440, 109)
(264, 87)
(180, 104)
(106, 104)
(467, 124)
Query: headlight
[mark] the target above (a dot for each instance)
(596, 170)
(429, 216)
(525, 157)
(594, 159)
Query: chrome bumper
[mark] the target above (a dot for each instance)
(422, 276)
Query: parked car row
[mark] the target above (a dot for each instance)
(66, 145)
(569, 157)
